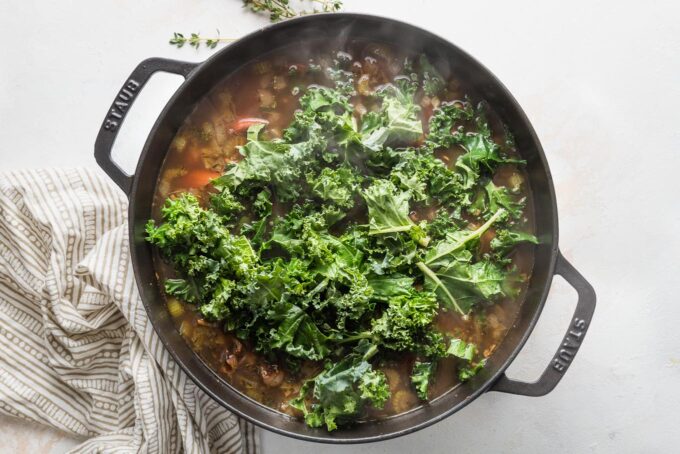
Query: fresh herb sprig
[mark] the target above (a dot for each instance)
(277, 10)
(195, 40)
(281, 9)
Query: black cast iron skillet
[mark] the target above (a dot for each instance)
(334, 28)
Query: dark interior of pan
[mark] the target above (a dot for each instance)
(332, 28)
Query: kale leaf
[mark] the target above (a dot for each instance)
(388, 211)
(406, 320)
(387, 287)
(427, 178)
(461, 349)
(217, 264)
(450, 273)
(422, 376)
(463, 284)
(467, 372)
(295, 333)
(433, 82)
(491, 198)
(482, 153)
(335, 185)
(341, 391)
(275, 163)
(397, 124)
(506, 240)
(443, 121)
(449, 249)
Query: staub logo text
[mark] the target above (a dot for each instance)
(121, 104)
(570, 344)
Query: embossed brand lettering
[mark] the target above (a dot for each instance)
(121, 104)
(565, 355)
(558, 366)
(570, 344)
(132, 85)
(110, 125)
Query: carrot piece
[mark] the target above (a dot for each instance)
(196, 178)
(245, 123)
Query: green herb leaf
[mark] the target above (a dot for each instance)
(467, 372)
(296, 334)
(341, 391)
(422, 376)
(433, 82)
(195, 40)
(406, 320)
(390, 286)
(449, 249)
(398, 123)
(506, 240)
(388, 211)
(461, 349)
(463, 285)
(492, 198)
(335, 185)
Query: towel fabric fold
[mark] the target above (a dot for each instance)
(77, 351)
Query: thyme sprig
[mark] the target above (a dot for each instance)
(281, 9)
(277, 10)
(195, 40)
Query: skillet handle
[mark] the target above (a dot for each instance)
(570, 343)
(119, 109)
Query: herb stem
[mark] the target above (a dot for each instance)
(281, 9)
(195, 40)
(277, 8)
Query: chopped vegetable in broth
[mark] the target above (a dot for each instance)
(343, 235)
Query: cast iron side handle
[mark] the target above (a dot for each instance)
(119, 109)
(570, 343)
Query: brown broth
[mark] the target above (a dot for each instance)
(207, 141)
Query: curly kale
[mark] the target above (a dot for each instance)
(342, 390)
(388, 212)
(312, 246)
(422, 376)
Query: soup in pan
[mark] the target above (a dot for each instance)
(343, 234)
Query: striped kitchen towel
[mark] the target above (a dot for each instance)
(77, 351)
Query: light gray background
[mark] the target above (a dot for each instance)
(598, 79)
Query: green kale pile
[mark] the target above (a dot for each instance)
(339, 272)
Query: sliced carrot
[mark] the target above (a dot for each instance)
(245, 123)
(196, 178)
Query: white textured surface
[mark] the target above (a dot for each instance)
(598, 79)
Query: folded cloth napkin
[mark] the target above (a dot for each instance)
(77, 351)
